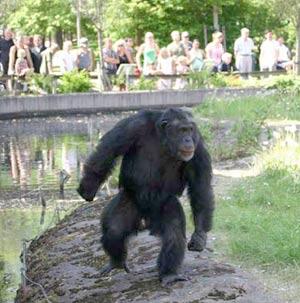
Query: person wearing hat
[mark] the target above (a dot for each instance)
(85, 56)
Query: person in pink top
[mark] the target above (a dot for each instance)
(214, 50)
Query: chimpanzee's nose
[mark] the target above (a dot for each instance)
(187, 140)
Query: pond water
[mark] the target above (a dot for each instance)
(33, 154)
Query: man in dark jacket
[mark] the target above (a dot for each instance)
(36, 52)
(5, 44)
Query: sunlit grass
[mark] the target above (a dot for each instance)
(261, 217)
(273, 106)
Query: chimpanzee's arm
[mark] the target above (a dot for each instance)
(201, 196)
(114, 143)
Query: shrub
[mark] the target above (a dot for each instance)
(41, 83)
(75, 82)
(206, 79)
(143, 84)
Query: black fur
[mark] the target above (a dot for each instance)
(156, 148)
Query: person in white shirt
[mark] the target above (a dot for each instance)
(268, 53)
(284, 55)
(165, 66)
(67, 59)
(243, 48)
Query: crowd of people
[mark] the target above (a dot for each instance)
(182, 55)
(21, 55)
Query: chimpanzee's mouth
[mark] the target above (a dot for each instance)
(187, 153)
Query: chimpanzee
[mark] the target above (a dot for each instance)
(163, 152)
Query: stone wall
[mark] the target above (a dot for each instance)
(30, 106)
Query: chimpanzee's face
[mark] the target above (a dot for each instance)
(181, 137)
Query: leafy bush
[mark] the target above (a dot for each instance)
(41, 83)
(205, 79)
(283, 83)
(74, 82)
(143, 84)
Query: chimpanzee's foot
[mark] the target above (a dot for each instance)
(169, 279)
(106, 269)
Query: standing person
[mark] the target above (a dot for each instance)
(123, 54)
(67, 59)
(185, 41)
(36, 50)
(5, 44)
(243, 47)
(130, 49)
(19, 44)
(85, 56)
(284, 55)
(176, 48)
(196, 56)
(165, 66)
(21, 65)
(47, 59)
(150, 51)
(110, 58)
(214, 50)
(182, 68)
(268, 53)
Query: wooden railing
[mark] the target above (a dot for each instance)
(13, 89)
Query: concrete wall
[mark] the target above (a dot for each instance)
(29, 106)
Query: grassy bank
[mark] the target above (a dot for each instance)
(260, 220)
(280, 105)
(257, 221)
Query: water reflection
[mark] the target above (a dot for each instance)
(33, 152)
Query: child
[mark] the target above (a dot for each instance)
(21, 65)
(165, 66)
(225, 65)
(182, 68)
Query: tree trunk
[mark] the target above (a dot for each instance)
(78, 21)
(297, 69)
(59, 37)
(216, 18)
(104, 83)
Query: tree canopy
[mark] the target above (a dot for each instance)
(133, 18)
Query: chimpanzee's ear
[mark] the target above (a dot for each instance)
(163, 124)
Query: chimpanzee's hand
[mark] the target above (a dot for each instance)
(88, 187)
(198, 241)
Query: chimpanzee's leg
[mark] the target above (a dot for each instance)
(172, 232)
(119, 220)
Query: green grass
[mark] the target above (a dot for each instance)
(260, 221)
(276, 106)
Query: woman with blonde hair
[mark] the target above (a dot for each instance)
(165, 66)
(123, 54)
(150, 51)
(214, 50)
(19, 44)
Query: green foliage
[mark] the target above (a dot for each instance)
(284, 84)
(261, 219)
(42, 16)
(75, 82)
(41, 83)
(206, 79)
(127, 18)
(265, 106)
(143, 84)
(246, 132)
